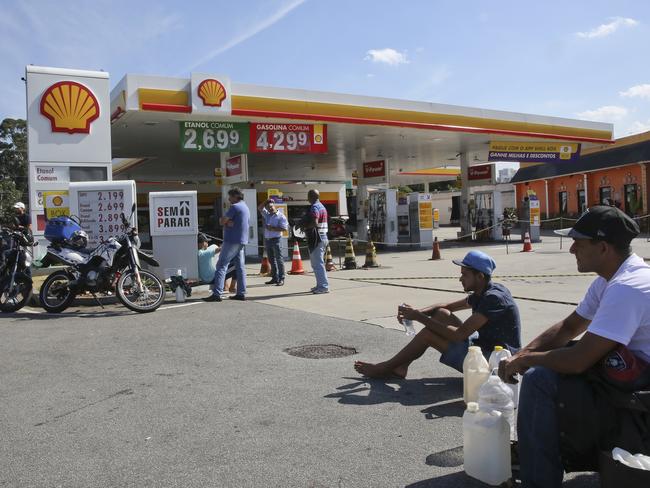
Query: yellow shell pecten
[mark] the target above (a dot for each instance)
(70, 106)
(212, 93)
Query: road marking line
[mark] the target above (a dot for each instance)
(179, 305)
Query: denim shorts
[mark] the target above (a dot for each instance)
(456, 352)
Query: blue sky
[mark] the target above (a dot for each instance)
(578, 59)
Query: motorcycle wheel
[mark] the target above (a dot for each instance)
(20, 294)
(55, 294)
(147, 300)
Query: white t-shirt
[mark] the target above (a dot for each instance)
(619, 309)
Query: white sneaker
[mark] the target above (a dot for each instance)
(320, 291)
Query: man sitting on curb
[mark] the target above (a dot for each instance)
(494, 321)
(208, 263)
(614, 313)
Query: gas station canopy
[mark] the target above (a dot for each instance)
(409, 136)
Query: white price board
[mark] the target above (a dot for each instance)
(99, 205)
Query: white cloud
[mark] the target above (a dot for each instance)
(607, 113)
(387, 56)
(604, 30)
(637, 127)
(641, 91)
(245, 35)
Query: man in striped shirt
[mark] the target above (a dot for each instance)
(314, 223)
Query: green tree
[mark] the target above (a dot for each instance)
(13, 163)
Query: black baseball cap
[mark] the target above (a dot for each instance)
(201, 238)
(604, 223)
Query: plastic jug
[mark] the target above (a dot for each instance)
(486, 445)
(496, 357)
(475, 373)
(494, 394)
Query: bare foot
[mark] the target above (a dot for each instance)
(379, 370)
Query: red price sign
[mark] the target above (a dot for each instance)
(288, 138)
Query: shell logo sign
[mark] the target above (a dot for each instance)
(212, 92)
(70, 107)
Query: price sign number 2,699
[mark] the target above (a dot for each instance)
(214, 136)
(210, 139)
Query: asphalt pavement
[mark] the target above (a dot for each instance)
(205, 394)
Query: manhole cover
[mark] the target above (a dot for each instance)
(321, 351)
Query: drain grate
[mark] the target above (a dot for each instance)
(320, 351)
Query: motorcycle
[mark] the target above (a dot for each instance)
(15, 261)
(113, 265)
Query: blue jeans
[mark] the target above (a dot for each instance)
(275, 258)
(230, 250)
(317, 258)
(537, 428)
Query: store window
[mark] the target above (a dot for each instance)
(563, 198)
(606, 195)
(582, 204)
(632, 203)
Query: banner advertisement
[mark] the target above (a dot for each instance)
(533, 152)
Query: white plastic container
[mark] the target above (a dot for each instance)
(499, 354)
(494, 394)
(486, 445)
(475, 373)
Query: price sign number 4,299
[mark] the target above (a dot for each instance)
(209, 139)
(282, 141)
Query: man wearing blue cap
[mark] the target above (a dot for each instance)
(494, 322)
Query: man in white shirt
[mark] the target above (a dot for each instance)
(275, 222)
(615, 311)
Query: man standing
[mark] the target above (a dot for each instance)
(494, 322)
(235, 237)
(24, 221)
(613, 315)
(314, 223)
(275, 222)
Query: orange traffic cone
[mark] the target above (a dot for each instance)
(528, 247)
(296, 261)
(329, 262)
(265, 270)
(435, 254)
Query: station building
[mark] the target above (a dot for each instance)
(207, 133)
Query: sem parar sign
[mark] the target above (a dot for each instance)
(173, 213)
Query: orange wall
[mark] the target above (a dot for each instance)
(617, 178)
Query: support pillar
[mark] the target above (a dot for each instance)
(465, 224)
(645, 186)
(546, 196)
(584, 183)
(362, 198)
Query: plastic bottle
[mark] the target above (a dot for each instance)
(499, 354)
(494, 394)
(486, 445)
(408, 325)
(475, 373)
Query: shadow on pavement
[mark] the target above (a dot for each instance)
(423, 391)
(454, 480)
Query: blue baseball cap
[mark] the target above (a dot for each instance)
(478, 261)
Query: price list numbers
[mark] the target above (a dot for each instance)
(99, 213)
(207, 136)
(288, 138)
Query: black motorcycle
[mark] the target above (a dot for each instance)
(113, 266)
(15, 261)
